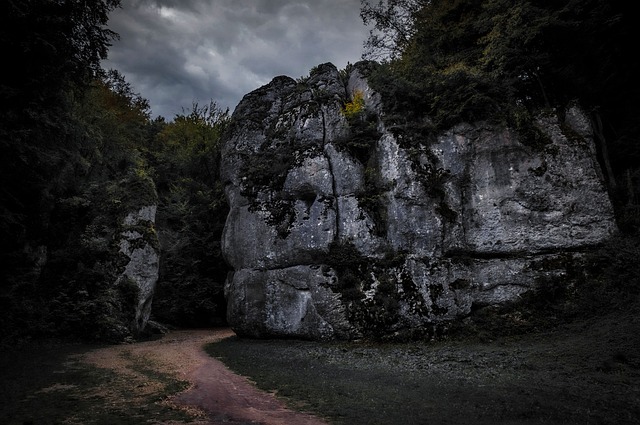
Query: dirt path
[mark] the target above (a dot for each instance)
(216, 395)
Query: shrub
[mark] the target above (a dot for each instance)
(355, 108)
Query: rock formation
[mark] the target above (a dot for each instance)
(343, 224)
(143, 261)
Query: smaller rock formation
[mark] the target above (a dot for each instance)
(139, 243)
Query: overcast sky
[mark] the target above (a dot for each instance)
(176, 52)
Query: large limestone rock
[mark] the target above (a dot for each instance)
(344, 226)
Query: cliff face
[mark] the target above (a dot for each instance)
(342, 225)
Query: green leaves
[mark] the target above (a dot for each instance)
(191, 215)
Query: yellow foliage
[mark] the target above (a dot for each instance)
(356, 106)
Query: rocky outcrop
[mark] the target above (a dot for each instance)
(343, 224)
(139, 244)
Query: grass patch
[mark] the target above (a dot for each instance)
(46, 383)
(304, 374)
(582, 373)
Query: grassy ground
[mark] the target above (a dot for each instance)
(581, 373)
(45, 383)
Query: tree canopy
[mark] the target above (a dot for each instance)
(55, 49)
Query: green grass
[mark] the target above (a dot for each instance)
(44, 383)
(587, 373)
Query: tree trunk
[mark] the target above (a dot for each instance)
(604, 151)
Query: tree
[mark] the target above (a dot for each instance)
(69, 132)
(191, 140)
(191, 214)
(55, 48)
(393, 26)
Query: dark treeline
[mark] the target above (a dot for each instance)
(77, 144)
(77, 140)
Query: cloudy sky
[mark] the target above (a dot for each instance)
(176, 52)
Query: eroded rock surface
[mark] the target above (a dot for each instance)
(344, 225)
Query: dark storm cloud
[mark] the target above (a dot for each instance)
(177, 52)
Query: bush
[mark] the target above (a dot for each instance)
(355, 108)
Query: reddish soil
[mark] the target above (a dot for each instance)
(218, 395)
